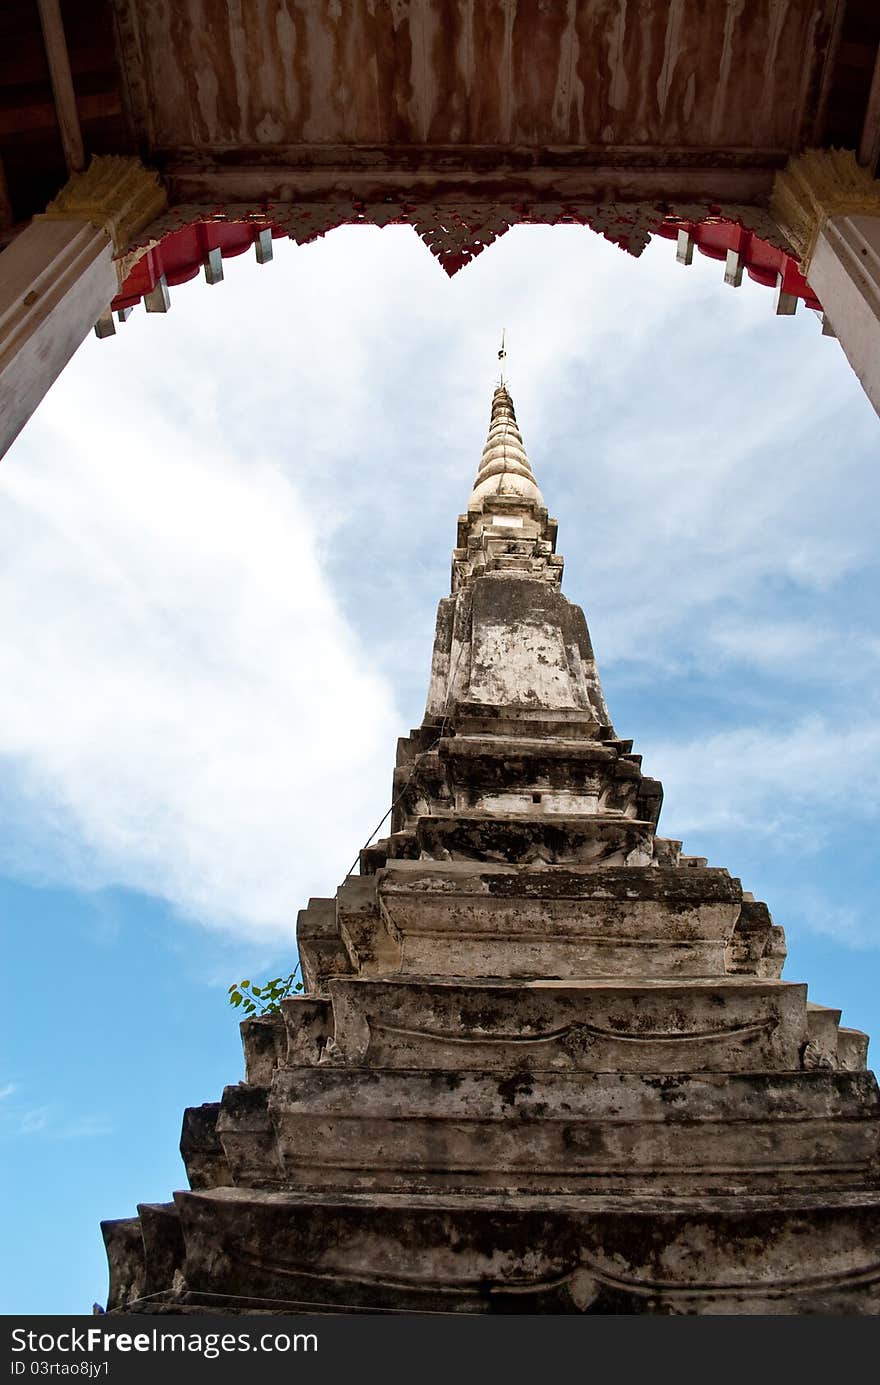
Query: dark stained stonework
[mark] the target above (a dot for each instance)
(545, 1062)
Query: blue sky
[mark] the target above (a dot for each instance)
(223, 537)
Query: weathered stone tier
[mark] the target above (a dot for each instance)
(417, 1129)
(512, 639)
(530, 776)
(659, 1027)
(472, 1253)
(598, 1026)
(474, 919)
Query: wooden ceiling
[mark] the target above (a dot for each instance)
(31, 152)
(285, 98)
(208, 76)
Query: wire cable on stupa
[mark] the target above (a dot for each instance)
(311, 1304)
(394, 802)
(512, 461)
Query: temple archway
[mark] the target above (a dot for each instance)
(459, 119)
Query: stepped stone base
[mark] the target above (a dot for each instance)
(247, 1250)
(470, 920)
(590, 1026)
(556, 1132)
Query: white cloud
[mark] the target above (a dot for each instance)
(85, 1128)
(792, 780)
(49, 1121)
(182, 708)
(31, 1122)
(847, 923)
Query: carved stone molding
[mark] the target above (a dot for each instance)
(815, 186)
(583, 1281)
(813, 1059)
(588, 1031)
(117, 193)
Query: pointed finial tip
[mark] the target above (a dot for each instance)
(502, 355)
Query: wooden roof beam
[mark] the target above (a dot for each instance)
(869, 148)
(62, 84)
(427, 176)
(5, 202)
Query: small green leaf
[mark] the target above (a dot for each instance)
(265, 999)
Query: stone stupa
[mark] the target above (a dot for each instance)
(544, 1062)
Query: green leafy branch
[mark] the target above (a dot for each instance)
(266, 998)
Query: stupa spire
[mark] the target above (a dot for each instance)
(507, 637)
(504, 468)
(543, 1062)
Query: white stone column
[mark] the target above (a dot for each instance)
(845, 276)
(56, 279)
(58, 276)
(828, 207)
